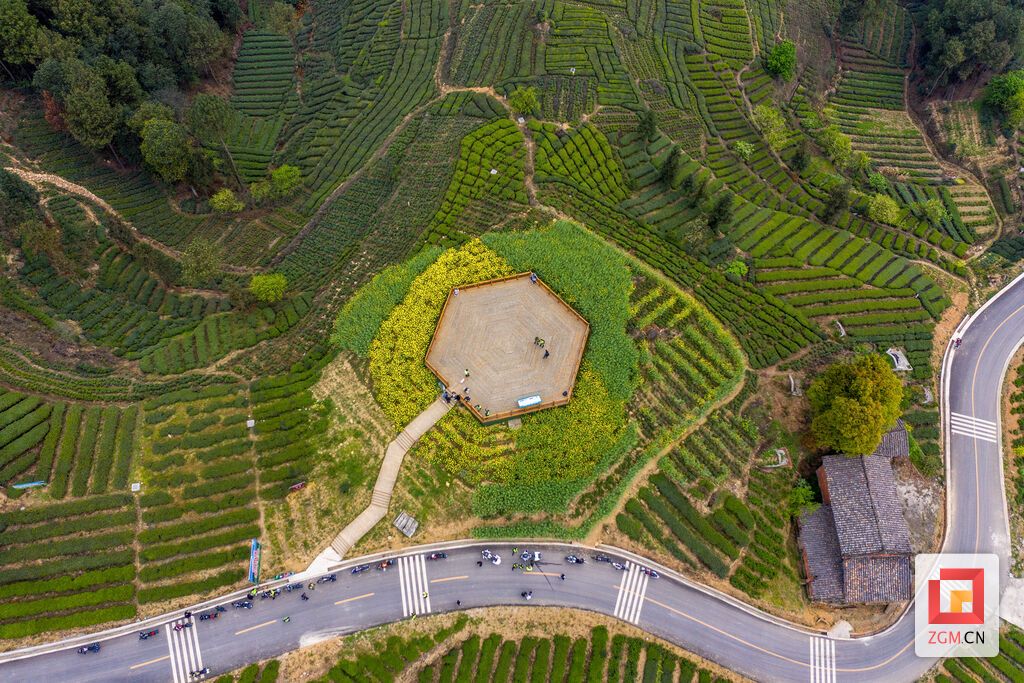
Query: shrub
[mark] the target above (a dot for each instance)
(224, 201)
(781, 61)
(883, 209)
(268, 288)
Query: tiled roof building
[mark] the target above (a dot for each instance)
(895, 443)
(856, 546)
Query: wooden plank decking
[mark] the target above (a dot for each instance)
(489, 328)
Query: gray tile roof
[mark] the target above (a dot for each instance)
(884, 578)
(865, 506)
(895, 443)
(820, 545)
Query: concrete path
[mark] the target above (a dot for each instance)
(386, 479)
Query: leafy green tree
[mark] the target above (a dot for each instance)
(200, 262)
(801, 157)
(721, 212)
(670, 165)
(284, 179)
(781, 61)
(224, 201)
(883, 209)
(523, 100)
(962, 38)
(878, 182)
(1005, 93)
(20, 33)
(837, 201)
(260, 191)
(801, 499)
(268, 288)
(934, 210)
(149, 111)
(744, 150)
(738, 267)
(208, 117)
(772, 124)
(648, 125)
(280, 18)
(166, 149)
(837, 145)
(89, 116)
(860, 162)
(853, 403)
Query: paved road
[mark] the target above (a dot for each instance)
(710, 624)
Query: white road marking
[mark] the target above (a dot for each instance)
(630, 599)
(823, 660)
(973, 427)
(183, 647)
(412, 580)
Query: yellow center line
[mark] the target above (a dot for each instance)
(253, 628)
(450, 578)
(152, 661)
(358, 597)
(537, 573)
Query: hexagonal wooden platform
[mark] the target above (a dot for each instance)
(489, 329)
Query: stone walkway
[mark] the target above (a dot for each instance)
(386, 479)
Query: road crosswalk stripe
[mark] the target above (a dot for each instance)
(412, 581)
(973, 427)
(183, 647)
(823, 660)
(630, 598)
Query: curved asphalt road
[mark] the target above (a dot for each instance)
(698, 619)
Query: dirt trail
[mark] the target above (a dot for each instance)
(38, 179)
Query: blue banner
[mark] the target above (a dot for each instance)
(254, 562)
(28, 485)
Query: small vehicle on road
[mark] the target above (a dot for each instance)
(330, 578)
(383, 565)
(602, 558)
(650, 572)
(146, 635)
(528, 556)
(179, 627)
(292, 587)
(618, 565)
(242, 604)
(221, 608)
(207, 616)
(93, 647)
(360, 569)
(199, 672)
(526, 595)
(437, 556)
(574, 559)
